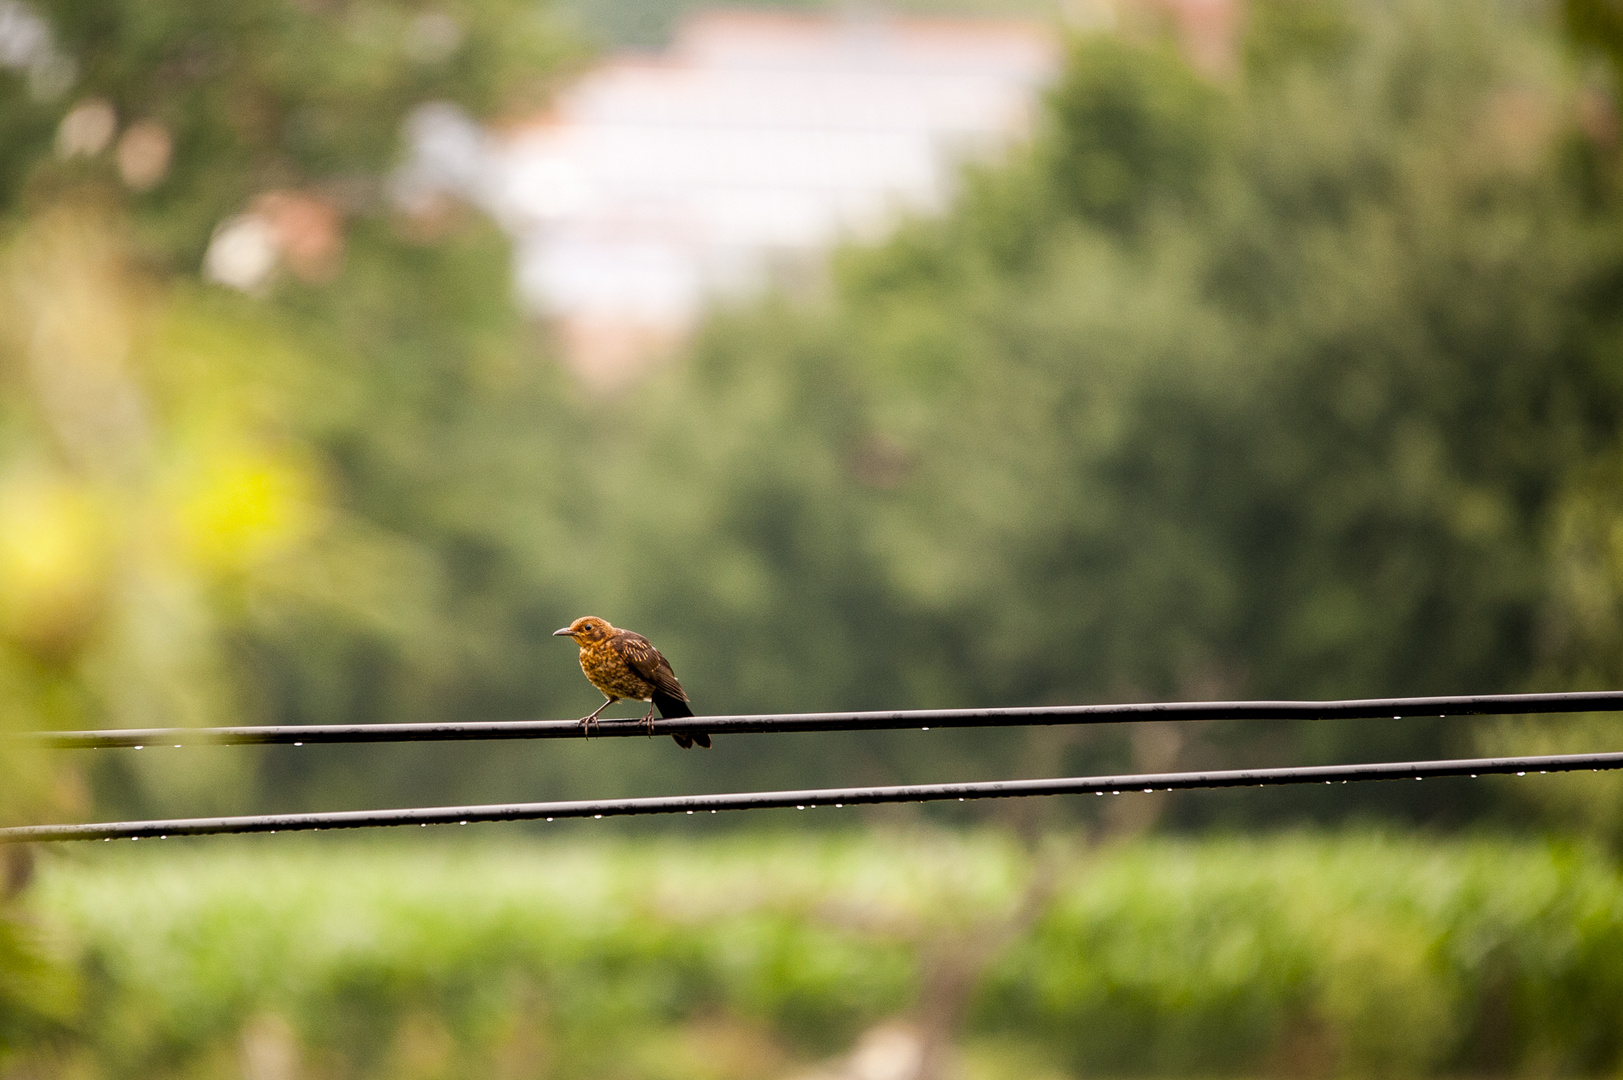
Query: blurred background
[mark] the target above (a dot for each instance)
(927, 354)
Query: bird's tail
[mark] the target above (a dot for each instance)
(673, 708)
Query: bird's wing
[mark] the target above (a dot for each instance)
(641, 657)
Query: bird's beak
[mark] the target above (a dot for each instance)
(565, 632)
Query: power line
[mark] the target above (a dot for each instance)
(300, 735)
(837, 797)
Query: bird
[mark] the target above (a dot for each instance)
(623, 664)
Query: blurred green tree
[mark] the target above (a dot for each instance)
(1581, 624)
(219, 504)
(1265, 386)
(213, 500)
(1274, 383)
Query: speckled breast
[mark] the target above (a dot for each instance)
(610, 674)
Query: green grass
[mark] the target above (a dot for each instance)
(757, 956)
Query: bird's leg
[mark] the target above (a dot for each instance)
(590, 721)
(648, 721)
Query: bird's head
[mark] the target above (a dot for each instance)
(586, 629)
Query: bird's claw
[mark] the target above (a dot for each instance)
(589, 721)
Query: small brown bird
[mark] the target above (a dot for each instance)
(624, 665)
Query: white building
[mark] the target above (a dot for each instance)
(657, 181)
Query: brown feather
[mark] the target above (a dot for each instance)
(646, 662)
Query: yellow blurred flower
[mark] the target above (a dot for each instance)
(244, 504)
(55, 559)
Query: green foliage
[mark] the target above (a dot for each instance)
(1133, 129)
(1361, 954)
(38, 994)
(1598, 25)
